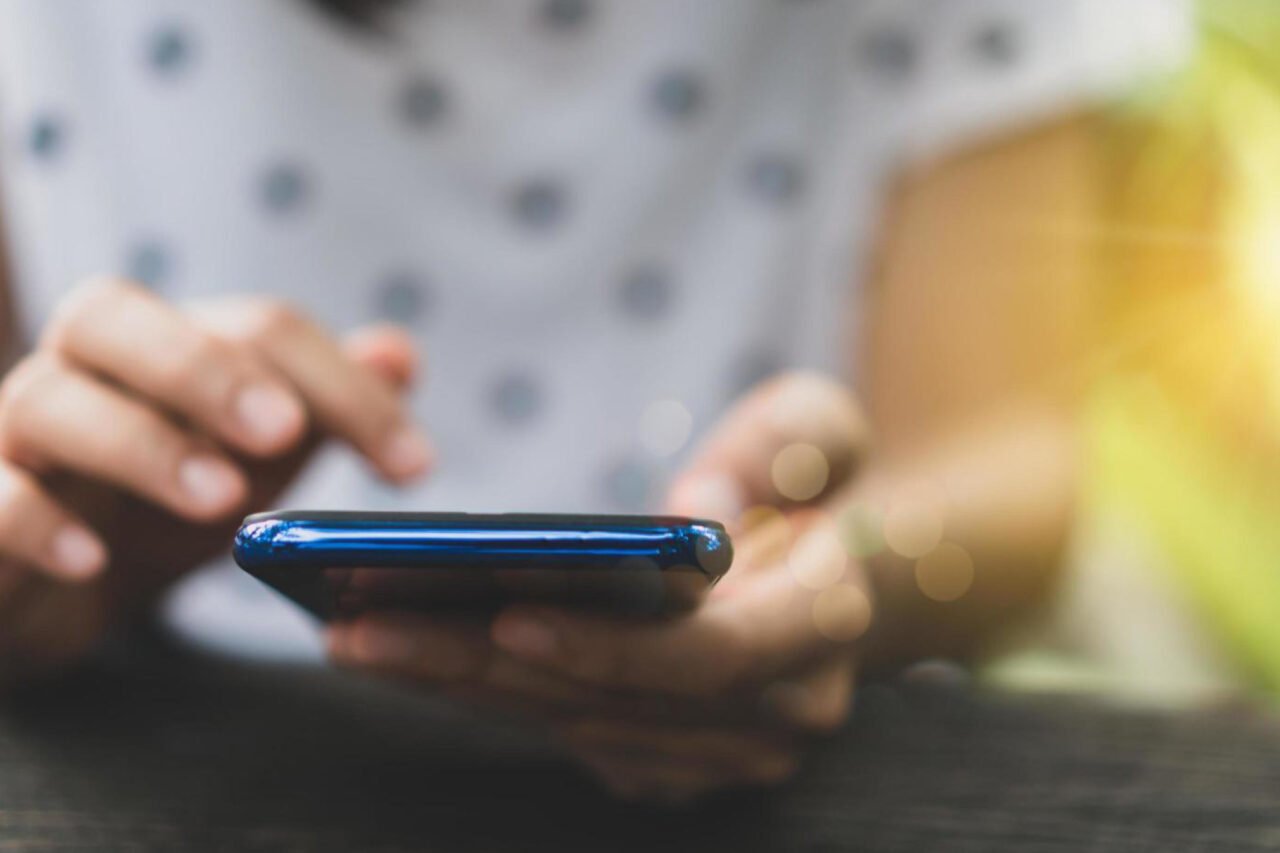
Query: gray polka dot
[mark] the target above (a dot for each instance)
(752, 369)
(996, 43)
(646, 293)
(403, 297)
(516, 398)
(776, 178)
(423, 102)
(678, 94)
(284, 188)
(628, 485)
(539, 204)
(46, 137)
(565, 14)
(169, 50)
(889, 53)
(150, 262)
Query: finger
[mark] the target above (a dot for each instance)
(347, 400)
(791, 440)
(135, 339)
(785, 619)
(411, 645)
(816, 704)
(37, 531)
(55, 417)
(386, 350)
(454, 653)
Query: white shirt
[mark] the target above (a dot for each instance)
(604, 219)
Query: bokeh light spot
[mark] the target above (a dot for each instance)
(861, 529)
(800, 471)
(945, 573)
(841, 613)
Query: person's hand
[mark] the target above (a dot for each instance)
(726, 695)
(135, 434)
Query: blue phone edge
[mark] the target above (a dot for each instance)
(311, 539)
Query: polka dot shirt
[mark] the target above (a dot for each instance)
(587, 210)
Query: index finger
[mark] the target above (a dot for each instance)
(120, 331)
(347, 400)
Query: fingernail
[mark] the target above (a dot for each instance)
(715, 497)
(78, 553)
(406, 453)
(210, 481)
(525, 637)
(271, 414)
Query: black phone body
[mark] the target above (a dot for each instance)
(340, 564)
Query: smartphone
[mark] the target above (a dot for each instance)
(340, 564)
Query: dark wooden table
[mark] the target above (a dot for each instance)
(171, 753)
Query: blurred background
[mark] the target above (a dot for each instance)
(1175, 590)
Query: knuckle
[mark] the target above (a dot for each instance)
(818, 408)
(15, 493)
(268, 319)
(23, 388)
(151, 446)
(198, 357)
(85, 303)
(824, 396)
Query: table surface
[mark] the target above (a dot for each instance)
(174, 752)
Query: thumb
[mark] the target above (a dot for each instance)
(789, 441)
(385, 349)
